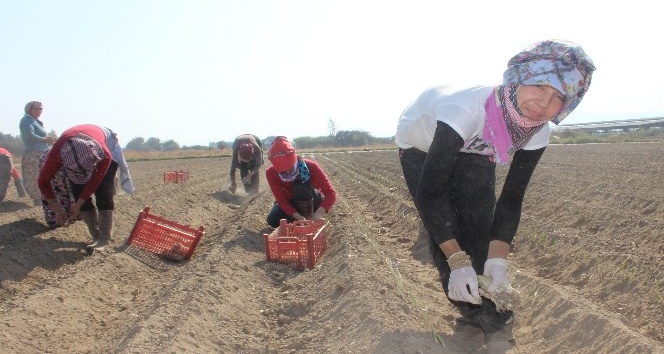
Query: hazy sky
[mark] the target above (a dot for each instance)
(201, 71)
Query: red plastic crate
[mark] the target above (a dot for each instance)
(300, 244)
(163, 237)
(176, 176)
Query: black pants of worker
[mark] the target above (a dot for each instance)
(253, 186)
(103, 195)
(472, 190)
(305, 200)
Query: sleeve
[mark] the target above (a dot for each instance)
(320, 181)
(258, 154)
(508, 208)
(15, 174)
(277, 188)
(51, 166)
(233, 162)
(433, 203)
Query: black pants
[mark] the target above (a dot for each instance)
(472, 189)
(253, 185)
(104, 193)
(302, 193)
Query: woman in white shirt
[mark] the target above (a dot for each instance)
(450, 140)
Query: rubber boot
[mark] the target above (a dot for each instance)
(20, 188)
(91, 219)
(105, 231)
(466, 329)
(501, 341)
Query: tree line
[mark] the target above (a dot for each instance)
(343, 138)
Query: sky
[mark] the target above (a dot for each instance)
(201, 71)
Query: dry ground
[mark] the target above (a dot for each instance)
(588, 259)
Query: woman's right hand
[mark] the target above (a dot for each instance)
(61, 216)
(463, 286)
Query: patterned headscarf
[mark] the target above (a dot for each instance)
(80, 155)
(560, 64)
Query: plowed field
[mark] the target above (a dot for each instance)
(588, 259)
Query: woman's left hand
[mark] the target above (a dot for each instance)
(75, 210)
(496, 268)
(319, 214)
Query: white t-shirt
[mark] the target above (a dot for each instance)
(460, 108)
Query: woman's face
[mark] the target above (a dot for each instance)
(539, 103)
(36, 110)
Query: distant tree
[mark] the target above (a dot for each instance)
(170, 145)
(11, 143)
(267, 142)
(352, 138)
(196, 147)
(222, 145)
(332, 127)
(136, 144)
(153, 143)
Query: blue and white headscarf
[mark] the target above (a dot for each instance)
(560, 64)
(299, 170)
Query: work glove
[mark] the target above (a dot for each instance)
(496, 269)
(232, 187)
(319, 214)
(298, 216)
(463, 279)
(247, 179)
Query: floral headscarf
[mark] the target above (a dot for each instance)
(560, 64)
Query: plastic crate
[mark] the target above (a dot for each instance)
(163, 237)
(300, 244)
(176, 176)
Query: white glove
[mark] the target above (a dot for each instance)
(460, 281)
(319, 214)
(496, 268)
(298, 216)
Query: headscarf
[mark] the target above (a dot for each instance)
(245, 152)
(282, 154)
(80, 155)
(126, 183)
(559, 64)
(300, 169)
(30, 105)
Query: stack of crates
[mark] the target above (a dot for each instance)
(176, 176)
(164, 237)
(299, 244)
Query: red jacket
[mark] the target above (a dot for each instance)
(54, 161)
(15, 173)
(283, 191)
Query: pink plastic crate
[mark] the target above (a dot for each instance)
(300, 244)
(176, 176)
(163, 237)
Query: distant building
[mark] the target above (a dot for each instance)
(614, 126)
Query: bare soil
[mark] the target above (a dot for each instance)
(588, 260)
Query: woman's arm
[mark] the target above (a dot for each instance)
(434, 205)
(320, 181)
(508, 208)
